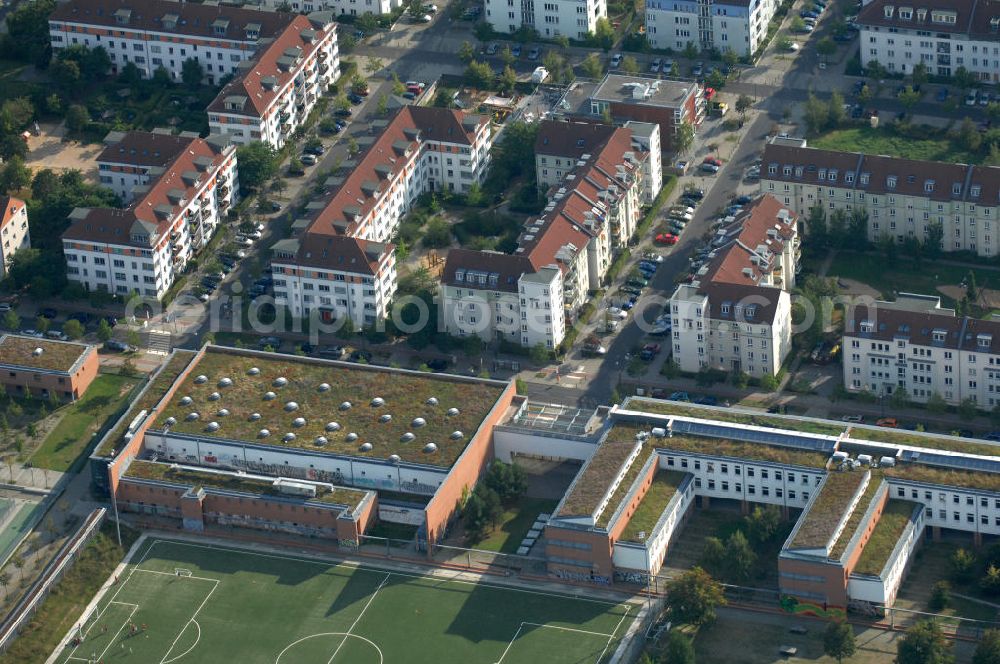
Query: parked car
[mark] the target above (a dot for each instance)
(82, 317)
(698, 69)
(332, 352)
(48, 312)
(712, 160)
(694, 193)
(308, 160)
(679, 396)
(516, 50)
(707, 400)
(534, 53)
(315, 150)
(711, 169)
(638, 283)
(654, 66)
(942, 94)
(59, 335)
(615, 312)
(355, 98)
(117, 346)
(437, 364)
(362, 356)
(742, 200)
(273, 342)
(652, 257)
(970, 99)
(890, 422)
(667, 239)
(854, 419)
(616, 60)
(631, 290)
(343, 112)
(993, 436)
(492, 48)
(649, 351)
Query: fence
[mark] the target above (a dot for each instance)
(54, 571)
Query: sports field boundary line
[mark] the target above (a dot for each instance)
(358, 619)
(58, 651)
(192, 619)
(520, 628)
(612, 637)
(111, 642)
(319, 559)
(193, 645)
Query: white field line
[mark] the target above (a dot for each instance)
(115, 637)
(509, 645)
(423, 577)
(193, 645)
(192, 619)
(611, 638)
(358, 619)
(196, 578)
(564, 629)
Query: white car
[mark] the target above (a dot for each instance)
(431, 8)
(617, 313)
(5, 307)
(970, 99)
(653, 256)
(794, 47)
(654, 67)
(616, 60)
(246, 242)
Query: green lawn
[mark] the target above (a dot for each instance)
(905, 275)
(84, 417)
(254, 607)
(516, 523)
(886, 142)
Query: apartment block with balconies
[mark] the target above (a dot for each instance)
(144, 247)
(14, 232)
(551, 18)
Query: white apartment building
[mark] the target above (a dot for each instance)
(273, 94)
(502, 297)
(902, 197)
(916, 345)
(161, 33)
(133, 159)
(335, 276)
(338, 7)
(736, 315)
(146, 245)
(646, 138)
(14, 233)
(736, 25)
(942, 35)
(419, 149)
(551, 18)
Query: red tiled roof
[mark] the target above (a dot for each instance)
(192, 18)
(249, 84)
(381, 163)
(11, 206)
(145, 148)
(114, 226)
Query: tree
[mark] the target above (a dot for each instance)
(373, 64)
(740, 557)
(257, 163)
(797, 24)
(15, 175)
(539, 354)
(73, 329)
(27, 37)
(865, 94)
(924, 644)
(678, 650)
(908, 97)
(479, 74)
(693, 597)
(132, 338)
(507, 479)
(367, 23)
(11, 320)
(988, 649)
(77, 117)
(763, 523)
(826, 47)
(838, 641)
(940, 596)
(969, 136)
(507, 56)
(900, 397)
(816, 114)
(936, 403)
(507, 79)
(835, 113)
(437, 235)
(967, 408)
(42, 324)
(592, 66)
(466, 52)
(684, 137)
(192, 73)
(730, 57)
(713, 555)
(743, 104)
(963, 78)
(604, 33)
(971, 288)
(935, 236)
(691, 50)
(66, 73)
(630, 65)
(383, 105)
(919, 75)
(398, 88)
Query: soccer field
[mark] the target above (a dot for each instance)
(193, 603)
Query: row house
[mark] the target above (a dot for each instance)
(739, 26)
(735, 315)
(272, 95)
(335, 276)
(14, 232)
(942, 36)
(160, 33)
(145, 246)
(903, 198)
(914, 344)
(418, 150)
(554, 18)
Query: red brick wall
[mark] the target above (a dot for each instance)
(866, 534)
(833, 583)
(34, 382)
(596, 560)
(645, 481)
(466, 471)
(662, 116)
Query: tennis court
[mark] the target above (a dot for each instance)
(190, 603)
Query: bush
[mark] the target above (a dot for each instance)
(940, 596)
(962, 566)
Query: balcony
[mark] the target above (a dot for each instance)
(223, 190)
(322, 56)
(323, 68)
(284, 116)
(206, 202)
(224, 204)
(176, 248)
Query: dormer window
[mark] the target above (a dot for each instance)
(956, 189)
(939, 335)
(928, 186)
(865, 177)
(867, 326)
(459, 275)
(798, 171)
(984, 340)
(122, 16)
(849, 178)
(772, 169)
(832, 176)
(888, 9)
(906, 13)
(975, 190)
(921, 15)
(890, 182)
(787, 170)
(944, 17)
(822, 174)
(995, 23)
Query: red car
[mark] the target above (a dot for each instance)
(666, 238)
(715, 161)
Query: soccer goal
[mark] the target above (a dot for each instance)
(180, 571)
(89, 620)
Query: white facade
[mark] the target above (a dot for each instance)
(942, 38)
(146, 246)
(646, 137)
(339, 7)
(14, 233)
(708, 24)
(272, 99)
(552, 18)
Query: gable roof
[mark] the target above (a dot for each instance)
(571, 139)
(11, 206)
(143, 148)
(188, 18)
(333, 252)
(507, 268)
(269, 72)
(972, 17)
